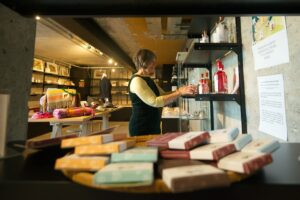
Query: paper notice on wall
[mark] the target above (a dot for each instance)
(270, 43)
(272, 106)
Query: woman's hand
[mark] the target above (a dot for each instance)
(187, 90)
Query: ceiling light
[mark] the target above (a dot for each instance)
(101, 53)
(88, 46)
(116, 64)
(37, 17)
(110, 61)
(113, 70)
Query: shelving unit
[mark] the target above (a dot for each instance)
(43, 84)
(202, 55)
(41, 80)
(49, 72)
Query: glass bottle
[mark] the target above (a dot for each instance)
(208, 82)
(236, 82)
(174, 85)
(220, 79)
(201, 85)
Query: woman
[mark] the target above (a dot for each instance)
(147, 97)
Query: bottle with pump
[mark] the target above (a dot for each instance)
(220, 79)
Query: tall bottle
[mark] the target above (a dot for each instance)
(220, 79)
(174, 85)
(208, 82)
(201, 85)
(174, 79)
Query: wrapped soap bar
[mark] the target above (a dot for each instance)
(188, 140)
(195, 177)
(137, 154)
(212, 151)
(124, 173)
(175, 154)
(263, 145)
(162, 140)
(245, 162)
(166, 163)
(204, 152)
(94, 139)
(44, 141)
(81, 163)
(241, 141)
(223, 135)
(108, 148)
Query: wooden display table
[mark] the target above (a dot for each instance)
(82, 121)
(33, 177)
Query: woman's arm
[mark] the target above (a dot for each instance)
(161, 91)
(144, 92)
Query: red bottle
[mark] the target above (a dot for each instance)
(220, 79)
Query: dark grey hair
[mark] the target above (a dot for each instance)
(143, 58)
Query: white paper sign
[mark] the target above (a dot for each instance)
(270, 44)
(4, 106)
(272, 106)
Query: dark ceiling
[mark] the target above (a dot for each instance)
(92, 8)
(78, 15)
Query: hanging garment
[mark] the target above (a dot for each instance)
(105, 89)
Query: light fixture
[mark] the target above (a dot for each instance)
(101, 53)
(113, 70)
(88, 46)
(116, 64)
(110, 61)
(37, 17)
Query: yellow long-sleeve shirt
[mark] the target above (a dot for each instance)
(144, 92)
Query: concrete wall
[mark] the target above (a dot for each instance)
(291, 74)
(17, 37)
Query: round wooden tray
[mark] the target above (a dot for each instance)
(158, 185)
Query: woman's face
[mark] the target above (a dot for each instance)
(150, 70)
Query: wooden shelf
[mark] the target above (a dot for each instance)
(35, 83)
(35, 71)
(217, 97)
(59, 85)
(56, 75)
(114, 79)
(202, 55)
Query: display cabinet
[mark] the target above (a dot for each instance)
(119, 78)
(49, 74)
(201, 109)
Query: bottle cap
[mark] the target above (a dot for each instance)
(220, 64)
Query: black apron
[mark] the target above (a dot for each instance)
(145, 119)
